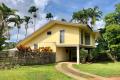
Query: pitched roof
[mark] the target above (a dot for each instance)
(49, 24)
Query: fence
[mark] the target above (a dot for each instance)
(27, 58)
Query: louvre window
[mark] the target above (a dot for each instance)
(62, 36)
(49, 33)
(87, 38)
(35, 46)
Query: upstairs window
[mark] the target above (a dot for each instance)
(35, 46)
(87, 38)
(49, 33)
(62, 36)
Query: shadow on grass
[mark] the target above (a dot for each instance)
(104, 62)
(41, 65)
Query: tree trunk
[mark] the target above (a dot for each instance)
(26, 27)
(113, 58)
(34, 23)
(2, 28)
(17, 35)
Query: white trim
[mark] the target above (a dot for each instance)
(78, 54)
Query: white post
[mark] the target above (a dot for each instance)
(78, 55)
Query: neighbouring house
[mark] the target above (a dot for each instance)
(65, 39)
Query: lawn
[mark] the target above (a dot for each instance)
(102, 69)
(37, 72)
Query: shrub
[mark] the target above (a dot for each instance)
(99, 56)
(2, 43)
(45, 49)
(22, 48)
(83, 56)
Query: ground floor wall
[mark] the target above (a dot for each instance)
(61, 54)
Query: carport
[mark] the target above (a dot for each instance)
(67, 53)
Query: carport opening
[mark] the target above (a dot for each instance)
(72, 54)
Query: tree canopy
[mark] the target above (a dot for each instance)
(112, 36)
(85, 15)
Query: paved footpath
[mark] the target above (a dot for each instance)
(66, 68)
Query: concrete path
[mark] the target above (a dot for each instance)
(66, 68)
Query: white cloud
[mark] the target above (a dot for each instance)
(99, 24)
(41, 4)
(55, 18)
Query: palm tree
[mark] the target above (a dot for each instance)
(64, 20)
(95, 14)
(17, 22)
(8, 32)
(49, 16)
(5, 13)
(33, 10)
(27, 21)
(83, 16)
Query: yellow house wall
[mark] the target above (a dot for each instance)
(61, 54)
(44, 40)
(92, 37)
(72, 36)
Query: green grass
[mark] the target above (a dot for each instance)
(38, 72)
(102, 69)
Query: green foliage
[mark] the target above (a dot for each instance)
(83, 16)
(2, 42)
(64, 20)
(112, 36)
(32, 9)
(80, 16)
(5, 13)
(27, 21)
(109, 43)
(111, 18)
(117, 7)
(114, 17)
(8, 15)
(10, 45)
(83, 55)
(49, 16)
(99, 53)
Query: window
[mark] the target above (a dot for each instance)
(62, 36)
(35, 46)
(87, 38)
(49, 33)
(81, 37)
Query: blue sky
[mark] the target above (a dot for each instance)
(59, 8)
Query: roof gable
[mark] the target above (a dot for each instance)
(48, 25)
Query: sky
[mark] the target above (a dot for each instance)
(59, 9)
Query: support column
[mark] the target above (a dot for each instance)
(78, 54)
